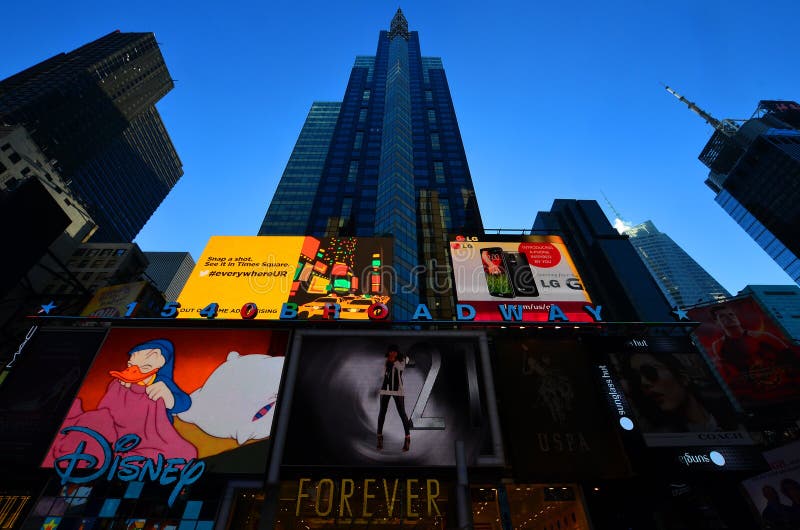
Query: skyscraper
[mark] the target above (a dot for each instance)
(682, 280)
(754, 169)
(92, 112)
(387, 160)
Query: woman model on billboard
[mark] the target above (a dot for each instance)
(666, 395)
(392, 386)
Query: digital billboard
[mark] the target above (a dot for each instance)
(192, 399)
(44, 376)
(775, 495)
(123, 300)
(393, 399)
(760, 365)
(556, 423)
(273, 277)
(674, 398)
(518, 280)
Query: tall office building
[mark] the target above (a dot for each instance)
(91, 111)
(754, 169)
(682, 280)
(386, 160)
(608, 263)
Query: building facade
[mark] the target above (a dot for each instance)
(781, 303)
(386, 160)
(609, 264)
(169, 271)
(682, 280)
(754, 168)
(92, 112)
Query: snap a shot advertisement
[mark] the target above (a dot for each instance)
(289, 277)
(527, 278)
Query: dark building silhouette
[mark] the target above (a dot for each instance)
(92, 110)
(754, 169)
(609, 265)
(386, 160)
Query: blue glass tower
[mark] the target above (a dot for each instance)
(386, 161)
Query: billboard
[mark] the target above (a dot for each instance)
(154, 397)
(760, 365)
(556, 423)
(520, 279)
(775, 495)
(252, 277)
(42, 380)
(392, 399)
(124, 300)
(674, 398)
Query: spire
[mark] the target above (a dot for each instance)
(399, 25)
(619, 223)
(727, 127)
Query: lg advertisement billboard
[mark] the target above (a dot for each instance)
(519, 279)
(275, 277)
(760, 365)
(157, 399)
(392, 399)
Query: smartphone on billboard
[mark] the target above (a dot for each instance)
(495, 270)
(519, 270)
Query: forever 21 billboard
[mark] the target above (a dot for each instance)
(390, 398)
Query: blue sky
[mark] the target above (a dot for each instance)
(553, 101)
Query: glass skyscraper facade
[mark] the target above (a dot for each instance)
(92, 111)
(755, 171)
(682, 280)
(387, 160)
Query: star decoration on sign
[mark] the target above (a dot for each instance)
(680, 314)
(46, 308)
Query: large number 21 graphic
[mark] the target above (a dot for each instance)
(420, 422)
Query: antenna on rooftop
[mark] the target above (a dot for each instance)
(727, 127)
(614, 210)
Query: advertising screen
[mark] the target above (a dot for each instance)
(760, 365)
(156, 395)
(674, 398)
(775, 495)
(521, 278)
(252, 277)
(551, 409)
(45, 374)
(116, 300)
(393, 399)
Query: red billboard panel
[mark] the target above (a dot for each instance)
(527, 278)
(758, 362)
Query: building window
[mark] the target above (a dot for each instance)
(428, 96)
(432, 117)
(362, 116)
(365, 96)
(6, 147)
(14, 157)
(119, 252)
(352, 173)
(358, 141)
(438, 170)
(435, 142)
